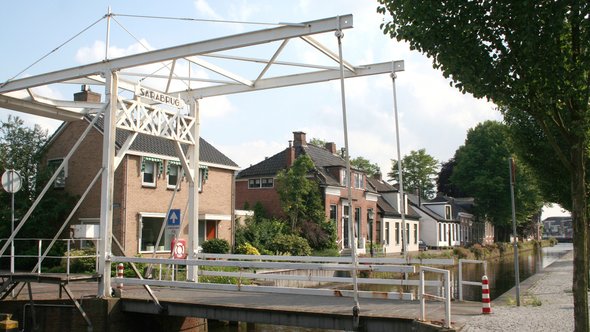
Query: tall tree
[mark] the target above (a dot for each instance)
(419, 171)
(20, 148)
(443, 181)
(528, 57)
(481, 171)
(365, 165)
(317, 142)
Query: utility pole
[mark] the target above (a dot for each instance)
(512, 168)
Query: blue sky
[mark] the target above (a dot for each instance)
(248, 127)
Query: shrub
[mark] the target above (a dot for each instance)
(215, 246)
(82, 264)
(478, 251)
(461, 252)
(246, 249)
(319, 235)
(552, 241)
(290, 244)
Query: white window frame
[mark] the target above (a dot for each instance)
(265, 181)
(343, 180)
(60, 181)
(165, 239)
(155, 174)
(448, 214)
(358, 180)
(256, 181)
(178, 176)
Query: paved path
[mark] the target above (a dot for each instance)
(546, 303)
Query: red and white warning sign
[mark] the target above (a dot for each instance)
(178, 248)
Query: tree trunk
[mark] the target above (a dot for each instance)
(579, 218)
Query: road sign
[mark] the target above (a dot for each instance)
(173, 220)
(178, 248)
(11, 181)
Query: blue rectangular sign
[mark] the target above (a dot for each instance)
(173, 219)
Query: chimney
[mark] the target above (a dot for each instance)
(86, 95)
(299, 139)
(331, 146)
(290, 155)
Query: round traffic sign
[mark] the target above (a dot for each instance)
(11, 181)
(179, 249)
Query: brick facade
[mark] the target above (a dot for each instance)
(131, 200)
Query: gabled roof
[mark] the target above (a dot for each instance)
(160, 146)
(321, 158)
(383, 187)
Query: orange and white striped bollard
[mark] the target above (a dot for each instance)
(485, 296)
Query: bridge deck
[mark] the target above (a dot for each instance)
(279, 309)
(294, 310)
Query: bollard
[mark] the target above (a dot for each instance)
(120, 270)
(485, 296)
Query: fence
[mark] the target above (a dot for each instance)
(466, 282)
(39, 255)
(446, 293)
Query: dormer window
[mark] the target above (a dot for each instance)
(343, 178)
(448, 214)
(358, 180)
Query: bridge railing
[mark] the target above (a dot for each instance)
(37, 252)
(467, 282)
(331, 275)
(446, 296)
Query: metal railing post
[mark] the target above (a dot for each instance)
(39, 255)
(447, 296)
(68, 258)
(421, 296)
(460, 280)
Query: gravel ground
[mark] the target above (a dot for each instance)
(546, 304)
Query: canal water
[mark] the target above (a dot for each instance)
(500, 273)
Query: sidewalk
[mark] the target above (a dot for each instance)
(546, 303)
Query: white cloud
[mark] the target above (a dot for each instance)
(96, 52)
(204, 8)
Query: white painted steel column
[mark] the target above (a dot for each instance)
(106, 189)
(193, 209)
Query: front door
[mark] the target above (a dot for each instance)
(211, 229)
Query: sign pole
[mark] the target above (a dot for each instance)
(11, 175)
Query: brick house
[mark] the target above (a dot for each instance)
(389, 220)
(145, 182)
(257, 184)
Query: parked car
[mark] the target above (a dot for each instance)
(422, 246)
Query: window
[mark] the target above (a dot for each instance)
(444, 232)
(415, 233)
(448, 215)
(407, 239)
(267, 182)
(345, 227)
(397, 233)
(387, 232)
(150, 229)
(52, 165)
(149, 171)
(357, 223)
(358, 180)
(440, 232)
(260, 183)
(173, 174)
(333, 212)
(343, 177)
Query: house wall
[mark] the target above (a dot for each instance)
(129, 197)
(268, 197)
(394, 246)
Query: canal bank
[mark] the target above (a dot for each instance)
(546, 302)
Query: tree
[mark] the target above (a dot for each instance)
(20, 149)
(318, 142)
(299, 195)
(529, 57)
(481, 171)
(443, 182)
(365, 165)
(419, 170)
